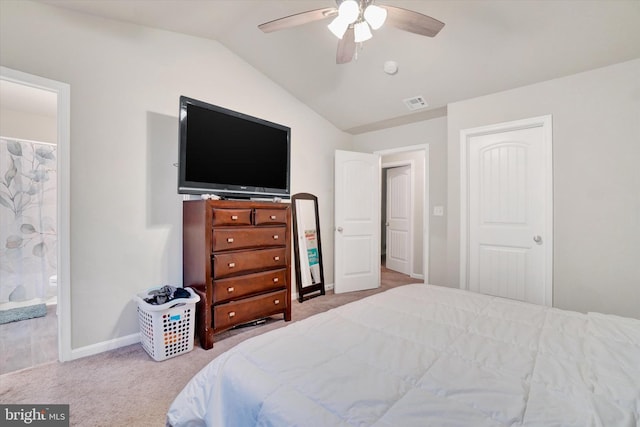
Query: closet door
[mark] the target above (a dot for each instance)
(508, 200)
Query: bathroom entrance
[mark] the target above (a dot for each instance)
(29, 223)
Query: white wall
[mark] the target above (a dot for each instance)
(434, 133)
(33, 127)
(596, 167)
(125, 83)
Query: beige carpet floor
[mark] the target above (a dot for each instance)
(125, 387)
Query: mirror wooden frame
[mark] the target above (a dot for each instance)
(316, 289)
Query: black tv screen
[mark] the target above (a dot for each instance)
(231, 154)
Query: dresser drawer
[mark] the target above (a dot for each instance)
(270, 216)
(238, 262)
(238, 312)
(231, 217)
(237, 287)
(225, 239)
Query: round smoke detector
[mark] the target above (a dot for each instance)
(390, 67)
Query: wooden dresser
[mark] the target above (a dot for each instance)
(236, 255)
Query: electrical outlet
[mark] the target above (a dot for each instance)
(438, 210)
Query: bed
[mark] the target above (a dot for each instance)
(422, 355)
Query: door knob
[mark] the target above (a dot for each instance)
(339, 229)
(537, 239)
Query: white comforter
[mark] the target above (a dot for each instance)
(423, 355)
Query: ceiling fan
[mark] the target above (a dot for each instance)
(353, 21)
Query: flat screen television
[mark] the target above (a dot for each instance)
(230, 154)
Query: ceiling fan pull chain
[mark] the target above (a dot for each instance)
(358, 48)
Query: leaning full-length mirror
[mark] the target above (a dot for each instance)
(307, 246)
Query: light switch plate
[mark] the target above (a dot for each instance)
(438, 210)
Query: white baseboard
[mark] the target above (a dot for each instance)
(417, 276)
(101, 347)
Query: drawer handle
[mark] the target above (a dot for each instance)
(276, 258)
(232, 264)
(275, 237)
(275, 280)
(234, 217)
(273, 217)
(230, 289)
(276, 302)
(232, 314)
(230, 240)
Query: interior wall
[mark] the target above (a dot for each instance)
(32, 127)
(596, 150)
(125, 80)
(434, 133)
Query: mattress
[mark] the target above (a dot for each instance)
(421, 355)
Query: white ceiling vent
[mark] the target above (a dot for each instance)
(416, 103)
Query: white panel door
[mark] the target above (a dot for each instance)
(398, 225)
(508, 232)
(357, 221)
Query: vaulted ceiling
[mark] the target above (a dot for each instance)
(486, 46)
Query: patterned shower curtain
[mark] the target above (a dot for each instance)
(28, 240)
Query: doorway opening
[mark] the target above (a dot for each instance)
(357, 221)
(397, 218)
(34, 146)
(405, 214)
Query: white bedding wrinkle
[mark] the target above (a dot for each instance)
(423, 355)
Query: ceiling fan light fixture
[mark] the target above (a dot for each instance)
(375, 16)
(349, 11)
(338, 27)
(353, 21)
(362, 32)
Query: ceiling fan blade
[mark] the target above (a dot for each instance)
(298, 19)
(346, 47)
(413, 22)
